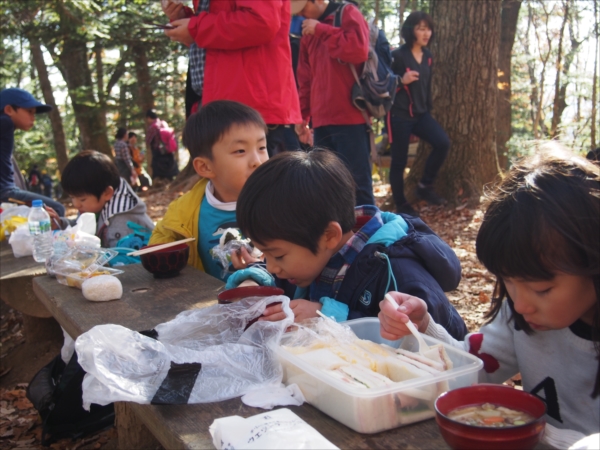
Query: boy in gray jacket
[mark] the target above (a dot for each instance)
(92, 181)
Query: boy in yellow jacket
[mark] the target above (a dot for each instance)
(227, 142)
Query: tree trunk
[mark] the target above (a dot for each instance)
(508, 29)
(98, 50)
(467, 61)
(595, 80)
(559, 69)
(58, 132)
(88, 113)
(401, 9)
(145, 97)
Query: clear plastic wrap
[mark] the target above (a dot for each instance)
(80, 263)
(201, 356)
(231, 241)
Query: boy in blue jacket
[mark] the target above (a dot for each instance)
(298, 209)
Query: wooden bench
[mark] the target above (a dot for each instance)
(147, 302)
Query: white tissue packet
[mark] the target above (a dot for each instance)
(279, 429)
(270, 396)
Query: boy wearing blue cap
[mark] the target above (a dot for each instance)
(17, 111)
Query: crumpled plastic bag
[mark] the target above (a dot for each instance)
(21, 241)
(279, 429)
(12, 218)
(204, 355)
(82, 234)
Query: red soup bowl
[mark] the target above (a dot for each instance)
(462, 436)
(167, 262)
(236, 294)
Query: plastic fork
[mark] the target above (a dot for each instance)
(423, 347)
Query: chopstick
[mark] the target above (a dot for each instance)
(162, 26)
(18, 202)
(159, 247)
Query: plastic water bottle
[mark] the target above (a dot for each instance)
(40, 229)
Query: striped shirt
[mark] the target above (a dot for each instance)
(123, 199)
(122, 152)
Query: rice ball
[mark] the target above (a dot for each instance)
(102, 288)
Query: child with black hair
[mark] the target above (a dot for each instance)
(539, 237)
(92, 181)
(227, 142)
(298, 209)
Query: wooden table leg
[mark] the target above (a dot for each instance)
(131, 432)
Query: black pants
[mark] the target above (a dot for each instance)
(426, 128)
(281, 138)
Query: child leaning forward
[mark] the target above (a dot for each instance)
(298, 209)
(540, 238)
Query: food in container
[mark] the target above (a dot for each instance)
(76, 279)
(81, 263)
(366, 386)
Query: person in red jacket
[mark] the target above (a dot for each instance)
(326, 82)
(240, 50)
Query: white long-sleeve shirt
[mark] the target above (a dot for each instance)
(557, 366)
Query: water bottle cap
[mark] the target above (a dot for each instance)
(37, 203)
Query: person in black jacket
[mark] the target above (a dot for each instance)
(411, 112)
(327, 255)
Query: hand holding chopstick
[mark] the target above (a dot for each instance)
(396, 310)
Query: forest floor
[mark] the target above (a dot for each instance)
(20, 425)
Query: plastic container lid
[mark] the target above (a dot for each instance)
(37, 203)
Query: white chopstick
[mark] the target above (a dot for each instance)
(159, 247)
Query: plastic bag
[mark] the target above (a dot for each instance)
(12, 218)
(231, 241)
(80, 263)
(21, 241)
(81, 234)
(279, 429)
(204, 355)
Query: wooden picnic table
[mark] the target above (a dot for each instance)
(146, 302)
(16, 290)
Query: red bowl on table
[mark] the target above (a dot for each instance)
(236, 294)
(462, 436)
(167, 262)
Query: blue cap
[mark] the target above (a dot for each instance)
(22, 99)
(37, 203)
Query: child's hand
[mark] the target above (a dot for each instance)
(241, 258)
(392, 320)
(308, 26)
(303, 309)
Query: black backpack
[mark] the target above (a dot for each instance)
(375, 89)
(55, 392)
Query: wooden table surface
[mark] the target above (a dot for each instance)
(147, 302)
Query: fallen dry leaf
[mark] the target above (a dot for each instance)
(23, 403)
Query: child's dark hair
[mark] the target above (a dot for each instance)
(121, 132)
(204, 128)
(408, 27)
(294, 196)
(131, 134)
(151, 114)
(90, 172)
(542, 218)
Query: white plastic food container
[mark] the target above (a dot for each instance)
(379, 409)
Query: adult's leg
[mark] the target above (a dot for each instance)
(26, 196)
(428, 129)
(401, 130)
(351, 144)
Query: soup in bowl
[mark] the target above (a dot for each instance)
(490, 416)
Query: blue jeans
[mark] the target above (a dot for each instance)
(26, 196)
(426, 128)
(281, 138)
(351, 144)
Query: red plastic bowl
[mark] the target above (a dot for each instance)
(462, 436)
(167, 262)
(235, 294)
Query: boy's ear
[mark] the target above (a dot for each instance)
(203, 167)
(8, 110)
(332, 235)
(107, 194)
